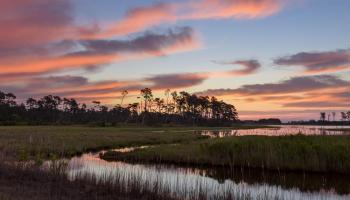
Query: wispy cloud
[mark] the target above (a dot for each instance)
(80, 87)
(296, 92)
(292, 85)
(174, 81)
(100, 52)
(318, 62)
(249, 67)
(317, 104)
(44, 37)
(140, 18)
(148, 43)
(239, 9)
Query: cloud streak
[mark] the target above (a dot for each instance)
(29, 43)
(316, 92)
(175, 81)
(100, 52)
(141, 18)
(249, 67)
(317, 104)
(31, 84)
(148, 43)
(318, 62)
(81, 88)
(239, 9)
(292, 85)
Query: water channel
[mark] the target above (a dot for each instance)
(182, 182)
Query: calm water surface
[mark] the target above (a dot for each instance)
(281, 130)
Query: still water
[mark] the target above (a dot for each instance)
(281, 130)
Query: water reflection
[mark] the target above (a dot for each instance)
(282, 130)
(186, 180)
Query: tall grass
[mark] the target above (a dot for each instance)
(290, 153)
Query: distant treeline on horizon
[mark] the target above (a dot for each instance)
(326, 119)
(176, 108)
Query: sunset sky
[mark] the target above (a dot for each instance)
(271, 58)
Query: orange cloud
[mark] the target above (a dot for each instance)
(330, 69)
(240, 9)
(80, 88)
(55, 64)
(289, 86)
(29, 44)
(320, 92)
(99, 52)
(140, 18)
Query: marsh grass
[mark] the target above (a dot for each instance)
(301, 153)
(330, 154)
(52, 142)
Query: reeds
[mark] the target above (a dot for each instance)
(50, 142)
(329, 154)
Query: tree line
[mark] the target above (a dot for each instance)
(344, 116)
(328, 118)
(175, 108)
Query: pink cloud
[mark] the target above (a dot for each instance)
(239, 9)
(99, 52)
(140, 18)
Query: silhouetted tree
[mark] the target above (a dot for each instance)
(147, 96)
(323, 116)
(124, 93)
(184, 108)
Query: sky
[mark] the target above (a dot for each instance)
(270, 58)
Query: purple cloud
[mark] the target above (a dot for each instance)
(315, 62)
(295, 84)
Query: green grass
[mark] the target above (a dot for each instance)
(41, 142)
(26, 142)
(289, 153)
